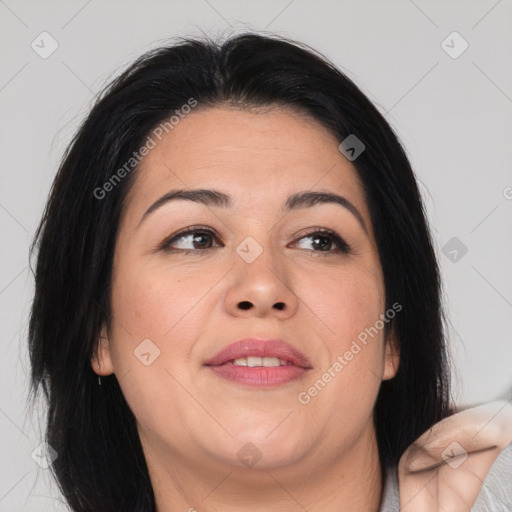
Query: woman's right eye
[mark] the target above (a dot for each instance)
(193, 239)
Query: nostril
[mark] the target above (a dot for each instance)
(279, 305)
(244, 304)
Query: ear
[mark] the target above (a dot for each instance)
(101, 360)
(391, 356)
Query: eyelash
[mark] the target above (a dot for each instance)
(343, 247)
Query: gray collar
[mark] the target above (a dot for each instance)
(390, 501)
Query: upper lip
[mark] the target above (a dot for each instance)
(260, 348)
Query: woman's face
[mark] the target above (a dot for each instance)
(254, 268)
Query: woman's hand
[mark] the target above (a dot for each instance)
(444, 469)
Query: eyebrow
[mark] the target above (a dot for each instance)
(215, 198)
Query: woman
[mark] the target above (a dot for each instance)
(237, 300)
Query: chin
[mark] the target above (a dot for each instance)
(256, 449)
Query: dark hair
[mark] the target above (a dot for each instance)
(100, 464)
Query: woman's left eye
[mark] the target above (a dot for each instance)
(323, 240)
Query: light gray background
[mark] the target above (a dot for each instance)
(453, 116)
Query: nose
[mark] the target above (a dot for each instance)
(261, 288)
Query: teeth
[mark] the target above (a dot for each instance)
(253, 361)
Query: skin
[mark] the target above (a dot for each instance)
(444, 469)
(316, 456)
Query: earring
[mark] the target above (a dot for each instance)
(99, 378)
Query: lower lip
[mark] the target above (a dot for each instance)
(259, 376)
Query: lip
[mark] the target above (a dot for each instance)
(260, 348)
(259, 376)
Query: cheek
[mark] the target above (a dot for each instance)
(163, 304)
(167, 307)
(347, 307)
(343, 302)
(151, 301)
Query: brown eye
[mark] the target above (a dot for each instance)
(192, 239)
(323, 241)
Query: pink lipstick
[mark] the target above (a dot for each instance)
(260, 363)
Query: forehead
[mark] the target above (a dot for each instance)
(257, 157)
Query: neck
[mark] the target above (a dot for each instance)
(349, 480)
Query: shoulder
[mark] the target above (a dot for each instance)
(496, 491)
